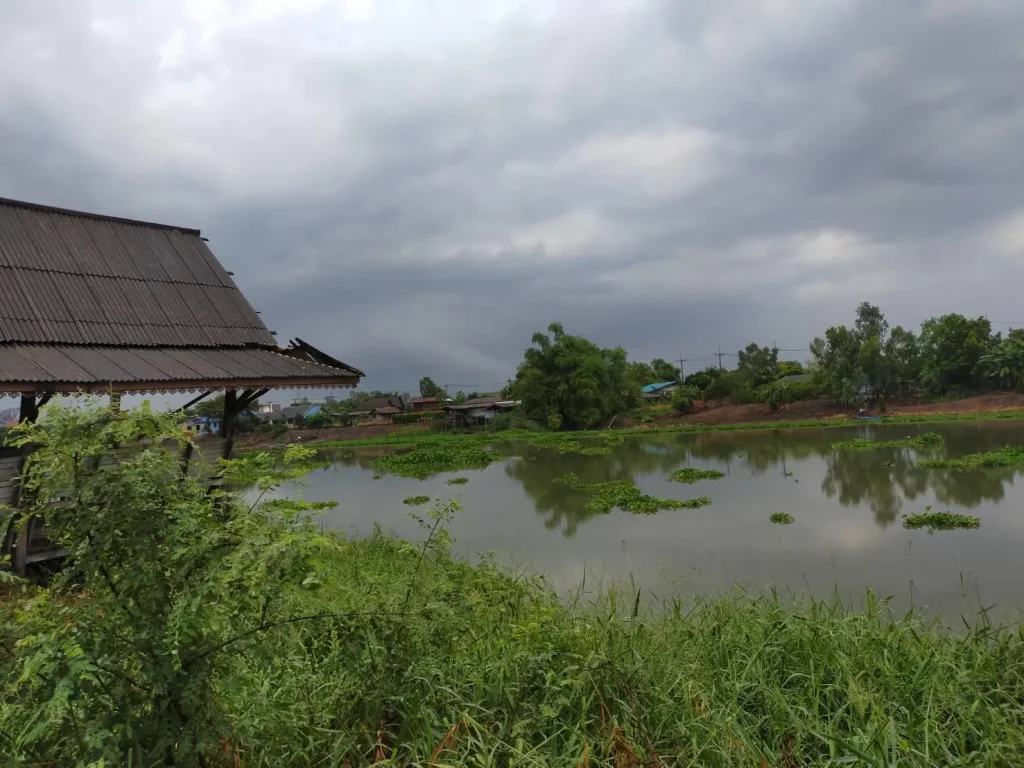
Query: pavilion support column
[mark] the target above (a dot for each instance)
(227, 423)
(23, 539)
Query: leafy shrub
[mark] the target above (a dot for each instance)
(683, 398)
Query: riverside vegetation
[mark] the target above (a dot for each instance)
(927, 440)
(199, 629)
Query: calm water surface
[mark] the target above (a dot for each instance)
(847, 506)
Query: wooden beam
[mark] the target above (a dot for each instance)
(194, 400)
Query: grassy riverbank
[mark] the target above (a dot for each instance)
(413, 437)
(421, 659)
(196, 629)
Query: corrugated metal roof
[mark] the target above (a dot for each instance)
(70, 277)
(69, 368)
(659, 386)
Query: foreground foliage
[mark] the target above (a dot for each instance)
(927, 440)
(192, 629)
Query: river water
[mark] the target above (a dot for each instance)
(847, 506)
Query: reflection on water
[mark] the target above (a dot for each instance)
(847, 506)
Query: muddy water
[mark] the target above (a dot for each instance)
(847, 508)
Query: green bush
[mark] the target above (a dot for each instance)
(415, 418)
(683, 398)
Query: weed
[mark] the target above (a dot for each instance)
(626, 496)
(429, 459)
(941, 521)
(690, 475)
(416, 501)
(458, 481)
(781, 518)
(927, 440)
(1011, 456)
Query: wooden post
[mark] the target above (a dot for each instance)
(19, 555)
(227, 424)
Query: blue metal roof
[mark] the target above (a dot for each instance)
(660, 385)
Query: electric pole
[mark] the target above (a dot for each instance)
(719, 354)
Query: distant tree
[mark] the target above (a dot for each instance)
(903, 356)
(212, 406)
(460, 397)
(835, 360)
(952, 347)
(870, 323)
(774, 394)
(791, 368)
(758, 365)
(683, 398)
(571, 378)
(663, 371)
(1003, 364)
(702, 379)
(319, 420)
(429, 389)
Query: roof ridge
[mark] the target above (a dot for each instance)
(97, 216)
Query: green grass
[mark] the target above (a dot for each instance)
(1010, 456)
(624, 495)
(416, 501)
(457, 481)
(781, 518)
(690, 475)
(479, 667)
(927, 440)
(941, 521)
(549, 438)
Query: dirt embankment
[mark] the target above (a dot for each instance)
(825, 409)
(328, 434)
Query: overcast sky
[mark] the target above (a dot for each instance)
(419, 185)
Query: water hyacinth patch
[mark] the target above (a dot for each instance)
(690, 475)
(941, 521)
(781, 518)
(416, 501)
(927, 440)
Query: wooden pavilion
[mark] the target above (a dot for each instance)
(99, 304)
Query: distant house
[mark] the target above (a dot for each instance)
(203, 425)
(366, 407)
(270, 408)
(479, 410)
(384, 415)
(659, 390)
(294, 413)
(272, 417)
(425, 403)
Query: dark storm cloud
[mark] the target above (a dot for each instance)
(418, 190)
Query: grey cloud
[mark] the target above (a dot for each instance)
(667, 176)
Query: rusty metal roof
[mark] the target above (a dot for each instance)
(69, 277)
(99, 303)
(62, 368)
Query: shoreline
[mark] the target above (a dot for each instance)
(322, 437)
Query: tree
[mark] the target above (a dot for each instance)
(835, 361)
(429, 389)
(1003, 364)
(212, 406)
(572, 378)
(870, 323)
(903, 357)
(663, 371)
(951, 350)
(758, 365)
(774, 394)
(683, 399)
(702, 379)
(790, 368)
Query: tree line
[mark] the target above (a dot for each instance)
(568, 382)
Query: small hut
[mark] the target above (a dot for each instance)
(99, 304)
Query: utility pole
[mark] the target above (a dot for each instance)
(719, 354)
(681, 360)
